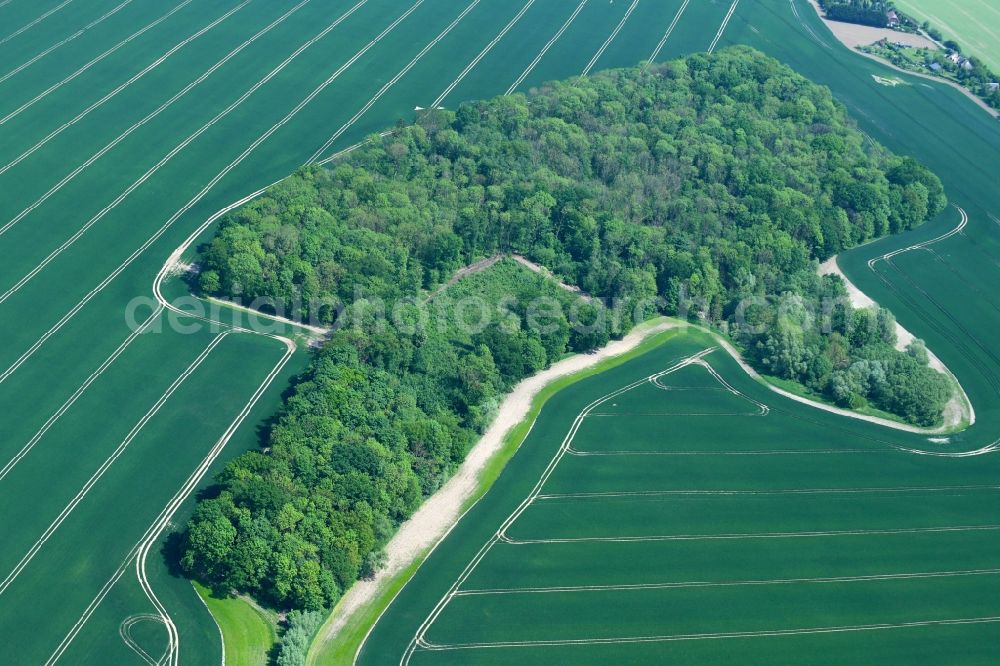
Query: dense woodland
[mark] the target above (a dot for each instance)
(706, 187)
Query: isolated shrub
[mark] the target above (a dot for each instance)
(301, 628)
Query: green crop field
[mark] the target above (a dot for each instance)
(974, 24)
(126, 124)
(673, 510)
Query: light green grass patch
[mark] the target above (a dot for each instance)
(248, 631)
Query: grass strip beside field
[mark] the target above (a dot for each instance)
(345, 645)
(248, 635)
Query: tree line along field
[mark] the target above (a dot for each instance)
(974, 24)
(554, 584)
(124, 126)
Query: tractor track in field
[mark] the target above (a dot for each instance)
(33, 23)
(28, 63)
(944, 331)
(113, 93)
(722, 28)
(614, 33)
(742, 536)
(712, 636)
(58, 414)
(785, 491)
(125, 631)
(763, 409)
(48, 91)
(768, 452)
(666, 35)
(545, 49)
(107, 464)
(630, 587)
(391, 82)
(808, 28)
(121, 137)
(482, 54)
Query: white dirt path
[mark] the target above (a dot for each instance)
(256, 315)
(542, 270)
